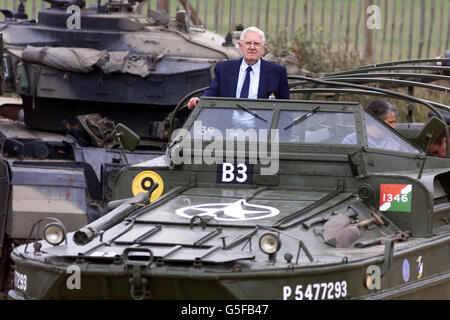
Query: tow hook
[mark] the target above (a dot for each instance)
(137, 264)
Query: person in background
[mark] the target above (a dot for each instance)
(385, 111)
(439, 146)
(375, 135)
(249, 77)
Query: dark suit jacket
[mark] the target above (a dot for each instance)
(272, 79)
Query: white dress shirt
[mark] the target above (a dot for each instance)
(254, 79)
(241, 118)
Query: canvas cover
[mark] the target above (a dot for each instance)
(85, 60)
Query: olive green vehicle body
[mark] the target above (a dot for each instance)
(174, 248)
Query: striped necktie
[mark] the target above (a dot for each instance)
(246, 85)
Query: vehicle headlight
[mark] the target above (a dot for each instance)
(269, 243)
(54, 233)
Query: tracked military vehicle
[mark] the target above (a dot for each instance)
(263, 199)
(75, 60)
(79, 72)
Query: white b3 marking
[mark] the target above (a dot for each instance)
(228, 172)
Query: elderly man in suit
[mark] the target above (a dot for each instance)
(249, 77)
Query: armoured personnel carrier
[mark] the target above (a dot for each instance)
(81, 71)
(263, 199)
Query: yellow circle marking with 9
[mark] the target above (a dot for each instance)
(144, 181)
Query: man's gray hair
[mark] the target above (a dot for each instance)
(381, 108)
(254, 29)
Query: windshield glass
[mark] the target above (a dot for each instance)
(315, 127)
(225, 122)
(312, 126)
(380, 137)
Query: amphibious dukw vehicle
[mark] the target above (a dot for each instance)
(263, 199)
(76, 82)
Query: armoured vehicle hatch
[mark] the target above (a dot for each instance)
(261, 199)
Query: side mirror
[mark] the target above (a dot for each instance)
(128, 139)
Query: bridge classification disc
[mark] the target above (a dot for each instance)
(144, 181)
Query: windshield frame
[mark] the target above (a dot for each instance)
(301, 105)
